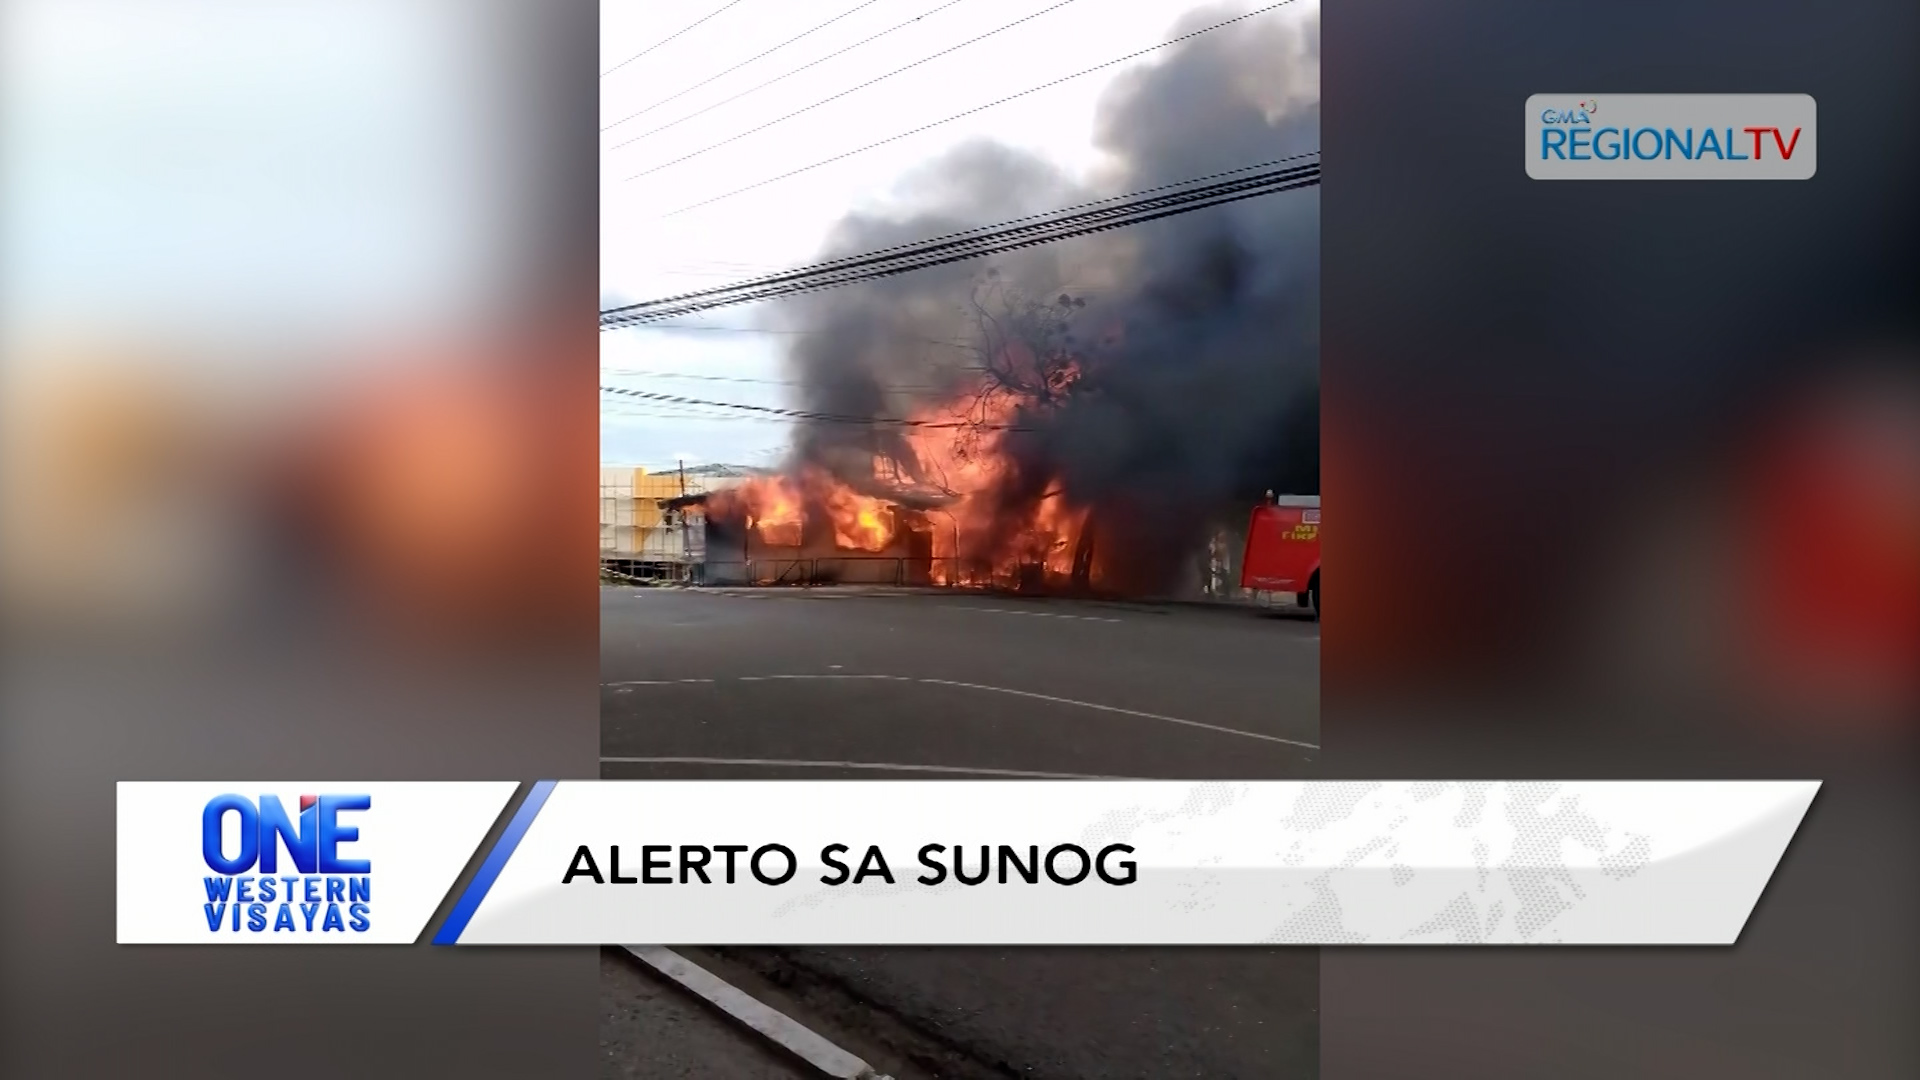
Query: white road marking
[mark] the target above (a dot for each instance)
(802, 1042)
(893, 678)
(828, 675)
(1127, 712)
(874, 766)
(1038, 614)
(996, 690)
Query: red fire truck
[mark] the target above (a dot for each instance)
(1283, 548)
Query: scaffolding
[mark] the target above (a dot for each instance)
(639, 536)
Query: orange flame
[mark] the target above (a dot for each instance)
(772, 509)
(858, 521)
(989, 539)
(776, 509)
(985, 531)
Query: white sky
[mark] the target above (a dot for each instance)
(645, 254)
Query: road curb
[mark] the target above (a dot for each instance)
(776, 1027)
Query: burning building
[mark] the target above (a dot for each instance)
(810, 527)
(1083, 416)
(808, 530)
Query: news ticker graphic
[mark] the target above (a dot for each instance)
(873, 862)
(1671, 137)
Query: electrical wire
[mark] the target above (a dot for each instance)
(852, 90)
(938, 255)
(777, 78)
(669, 37)
(741, 64)
(806, 414)
(669, 327)
(970, 112)
(891, 271)
(665, 327)
(1076, 211)
(618, 409)
(903, 388)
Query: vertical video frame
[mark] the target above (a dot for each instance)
(959, 397)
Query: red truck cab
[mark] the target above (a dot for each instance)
(1283, 548)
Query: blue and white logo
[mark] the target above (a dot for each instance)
(319, 887)
(1671, 137)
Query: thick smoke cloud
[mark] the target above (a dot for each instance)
(1196, 337)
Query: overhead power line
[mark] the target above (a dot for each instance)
(615, 408)
(961, 256)
(667, 327)
(997, 240)
(982, 231)
(734, 329)
(976, 109)
(807, 414)
(1033, 235)
(851, 90)
(778, 78)
(669, 37)
(639, 373)
(741, 64)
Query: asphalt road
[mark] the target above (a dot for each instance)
(651, 1029)
(782, 683)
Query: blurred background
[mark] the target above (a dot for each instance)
(288, 297)
(1631, 476)
(298, 449)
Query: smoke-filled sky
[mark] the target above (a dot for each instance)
(1192, 341)
(1146, 122)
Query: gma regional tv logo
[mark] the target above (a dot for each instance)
(276, 872)
(1671, 137)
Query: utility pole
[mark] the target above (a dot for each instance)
(686, 534)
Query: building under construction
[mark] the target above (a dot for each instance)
(642, 535)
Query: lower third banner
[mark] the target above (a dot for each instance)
(1129, 863)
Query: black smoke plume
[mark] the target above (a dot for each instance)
(1195, 339)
